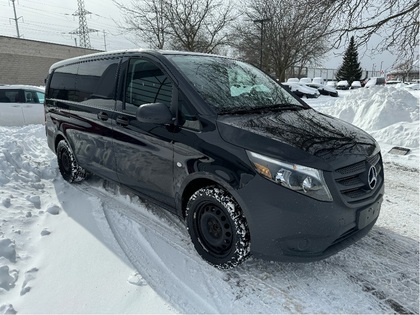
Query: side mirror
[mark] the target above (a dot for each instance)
(154, 113)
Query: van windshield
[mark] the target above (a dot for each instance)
(232, 86)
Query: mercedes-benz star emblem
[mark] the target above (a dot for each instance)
(372, 177)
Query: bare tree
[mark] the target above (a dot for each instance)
(394, 21)
(146, 20)
(192, 25)
(293, 35)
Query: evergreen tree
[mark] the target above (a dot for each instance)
(350, 70)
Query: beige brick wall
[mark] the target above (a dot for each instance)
(27, 62)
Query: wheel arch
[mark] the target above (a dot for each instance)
(57, 139)
(203, 180)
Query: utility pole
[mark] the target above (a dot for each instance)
(83, 30)
(104, 39)
(262, 21)
(16, 19)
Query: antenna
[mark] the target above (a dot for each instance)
(16, 19)
(83, 30)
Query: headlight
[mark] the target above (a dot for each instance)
(302, 179)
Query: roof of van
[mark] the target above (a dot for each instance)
(126, 51)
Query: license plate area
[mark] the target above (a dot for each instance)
(368, 215)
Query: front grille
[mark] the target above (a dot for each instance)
(352, 181)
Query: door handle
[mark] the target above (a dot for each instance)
(123, 121)
(103, 116)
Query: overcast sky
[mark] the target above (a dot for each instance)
(53, 20)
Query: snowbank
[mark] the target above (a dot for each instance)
(389, 114)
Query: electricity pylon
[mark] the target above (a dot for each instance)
(83, 30)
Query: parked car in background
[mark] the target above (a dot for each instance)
(293, 80)
(21, 105)
(331, 83)
(342, 85)
(375, 81)
(323, 89)
(319, 80)
(305, 80)
(355, 85)
(302, 90)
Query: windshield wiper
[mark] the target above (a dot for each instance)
(289, 106)
(261, 109)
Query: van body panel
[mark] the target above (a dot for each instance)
(90, 138)
(92, 102)
(145, 152)
(304, 137)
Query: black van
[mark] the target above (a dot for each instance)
(250, 167)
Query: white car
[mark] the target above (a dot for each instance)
(21, 105)
(319, 80)
(305, 80)
(343, 85)
(355, 85)
(331, 83)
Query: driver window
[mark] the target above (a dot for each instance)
(146, 83)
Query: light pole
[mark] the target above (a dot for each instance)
(261, 37)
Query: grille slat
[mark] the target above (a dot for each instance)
(351, 180)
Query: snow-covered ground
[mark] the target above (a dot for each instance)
(96, 248)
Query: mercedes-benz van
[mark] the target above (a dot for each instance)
(251, 168)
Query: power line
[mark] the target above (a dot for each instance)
(47, 24)
(83, 30)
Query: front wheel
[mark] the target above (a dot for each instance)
(218, 228)
(67, 164)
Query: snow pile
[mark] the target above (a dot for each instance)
(389, 114)
(53, 240)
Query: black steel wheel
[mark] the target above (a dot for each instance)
(67, 164)
(217, 227)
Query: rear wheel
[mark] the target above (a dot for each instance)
(67, 164)
(217, 227)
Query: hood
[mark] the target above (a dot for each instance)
(304, 137)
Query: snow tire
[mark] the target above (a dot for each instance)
(67, 164)
(217, 227)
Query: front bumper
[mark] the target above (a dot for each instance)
(288, 226)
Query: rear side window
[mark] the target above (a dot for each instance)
(89, 80)
(97, 79)
(63, 83)
(11, 96)
(146, 83)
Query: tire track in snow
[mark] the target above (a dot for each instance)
(379, 274)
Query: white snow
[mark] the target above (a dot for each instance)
(94, 247)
